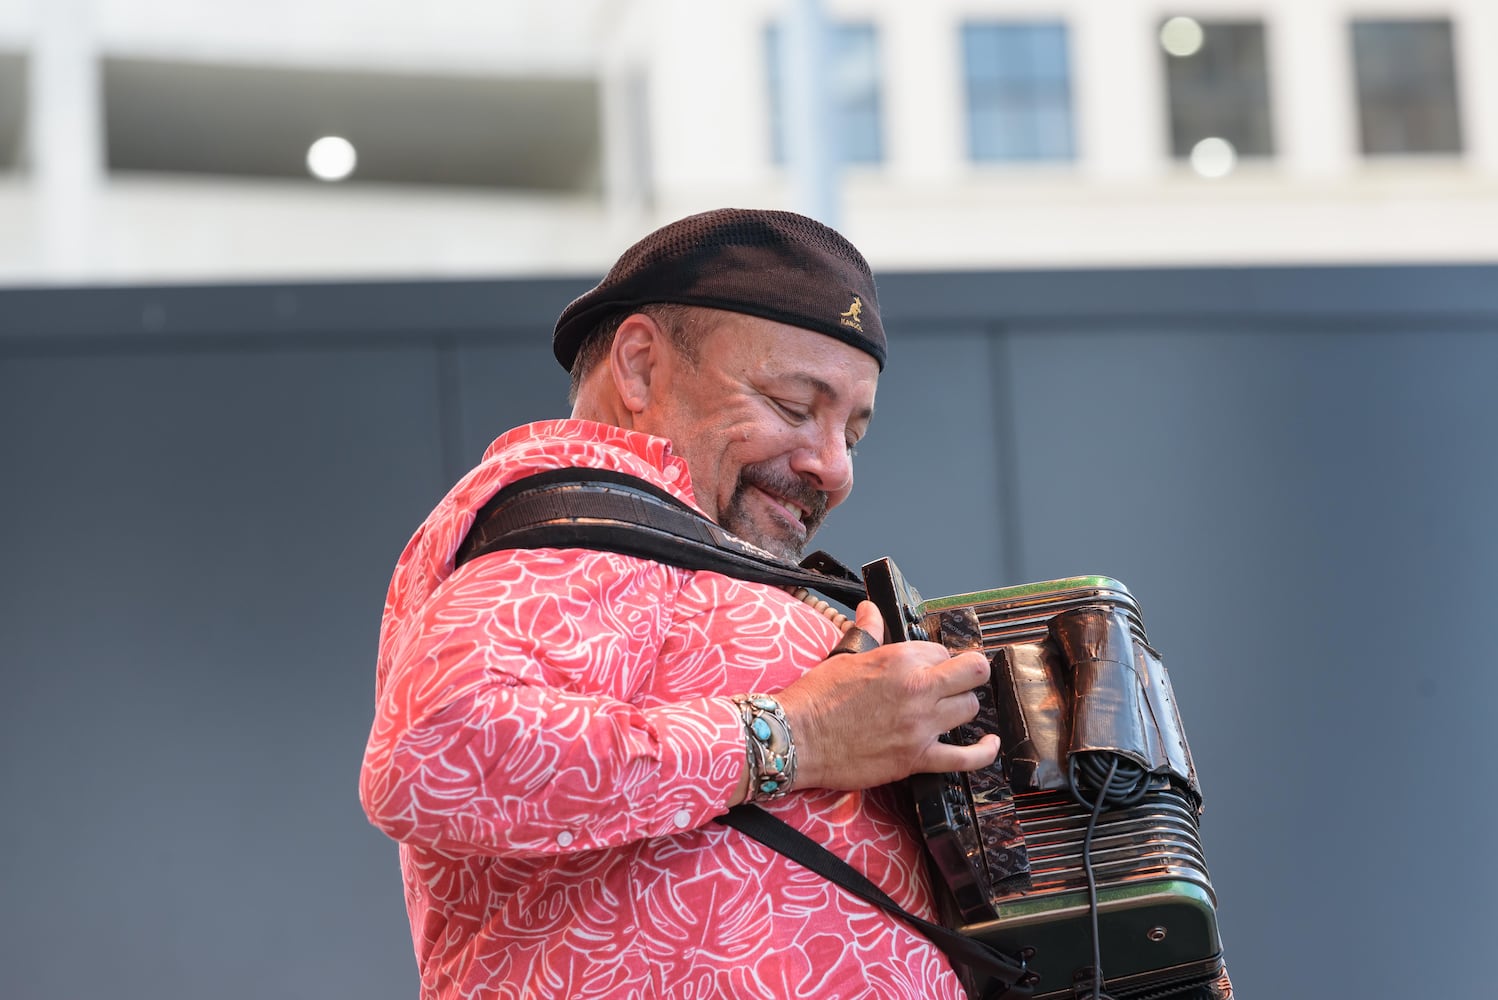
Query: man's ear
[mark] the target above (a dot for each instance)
(636, 358)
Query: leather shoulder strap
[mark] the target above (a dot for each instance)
(612, 512)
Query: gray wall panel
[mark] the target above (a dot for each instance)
(197, 547)
(502, 383)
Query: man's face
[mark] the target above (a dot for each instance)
(766, 421)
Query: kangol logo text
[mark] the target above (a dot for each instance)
(853, 317)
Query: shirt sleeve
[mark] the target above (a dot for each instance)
(511, 719)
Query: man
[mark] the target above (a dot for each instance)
(557, 729)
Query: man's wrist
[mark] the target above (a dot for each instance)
(769, 746)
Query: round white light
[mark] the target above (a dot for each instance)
(1214, 157)
(331, 158)
(1181, 36)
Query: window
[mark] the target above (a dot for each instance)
(1018, 91)
(852, 90)
(1217, 78)
(1406, 80)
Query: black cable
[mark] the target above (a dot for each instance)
(1123, 784)
(1097, 944)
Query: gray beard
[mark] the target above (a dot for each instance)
(765, 476)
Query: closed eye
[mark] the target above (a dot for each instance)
(791, 411)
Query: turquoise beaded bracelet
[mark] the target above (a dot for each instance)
(770, 747)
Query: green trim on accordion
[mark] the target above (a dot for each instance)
(1047, 588)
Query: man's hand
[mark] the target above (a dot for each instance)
(865, 719)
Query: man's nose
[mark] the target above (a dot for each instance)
(828, 461)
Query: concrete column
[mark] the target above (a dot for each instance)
(65, 137)
(1311, 92)
(1120, 92)
(921, 53)
(1475, 24)
(707, 99)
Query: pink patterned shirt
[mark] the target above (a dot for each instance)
(552, 740)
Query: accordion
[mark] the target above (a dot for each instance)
(1079, 849)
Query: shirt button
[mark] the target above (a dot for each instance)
(671, 473)
(564, 839)
(682, 819)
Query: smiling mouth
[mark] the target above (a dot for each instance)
(789, 509)
(786, 514)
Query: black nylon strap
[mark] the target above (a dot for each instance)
(612, 512)
(1011, 976)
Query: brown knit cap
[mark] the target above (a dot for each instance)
(776, 265)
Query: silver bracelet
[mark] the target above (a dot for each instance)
(770, 747)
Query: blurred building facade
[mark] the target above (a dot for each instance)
(167, 140)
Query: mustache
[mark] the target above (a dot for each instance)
(768, 477)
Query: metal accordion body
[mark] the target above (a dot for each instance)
(1075, 688)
